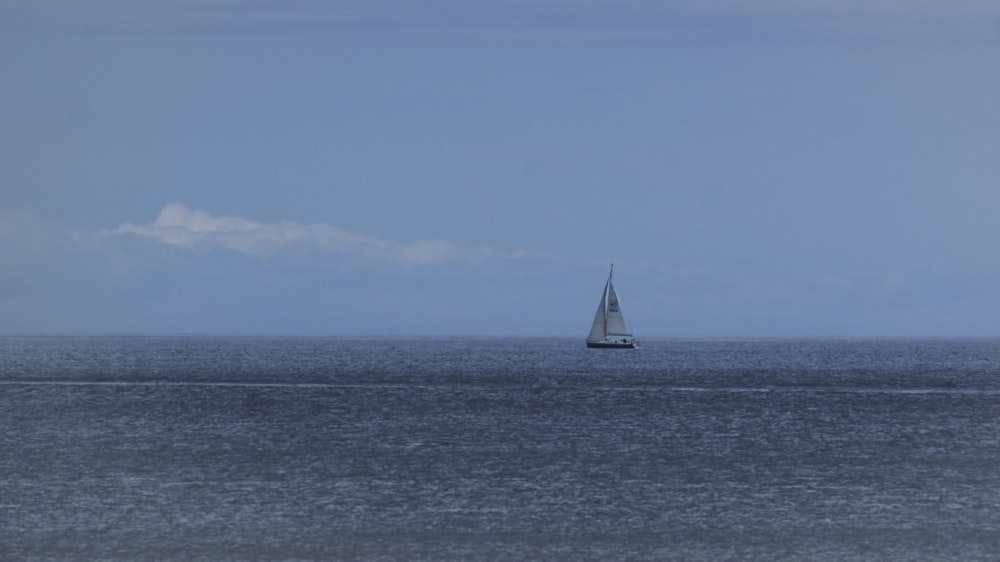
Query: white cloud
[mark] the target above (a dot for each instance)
(178, 225)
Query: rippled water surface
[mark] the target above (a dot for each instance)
(258, 448)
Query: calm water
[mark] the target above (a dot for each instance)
(244, 448)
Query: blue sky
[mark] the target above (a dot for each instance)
(775, 169)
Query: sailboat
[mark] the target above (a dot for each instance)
(608, 330)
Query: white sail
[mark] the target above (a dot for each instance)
(615, 323)
(608, 330)
(597, 330)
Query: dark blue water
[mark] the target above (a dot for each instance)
(247, 448)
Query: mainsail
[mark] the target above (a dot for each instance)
(615, 325)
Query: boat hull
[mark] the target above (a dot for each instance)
(612, 344)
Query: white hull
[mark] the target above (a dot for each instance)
(631, 344)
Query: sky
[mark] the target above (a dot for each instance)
(448, 168)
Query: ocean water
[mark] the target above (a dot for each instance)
(335, 448)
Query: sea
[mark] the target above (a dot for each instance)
(389, 448)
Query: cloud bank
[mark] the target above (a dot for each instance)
(178, 225)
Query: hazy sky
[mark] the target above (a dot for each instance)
(473, 167)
